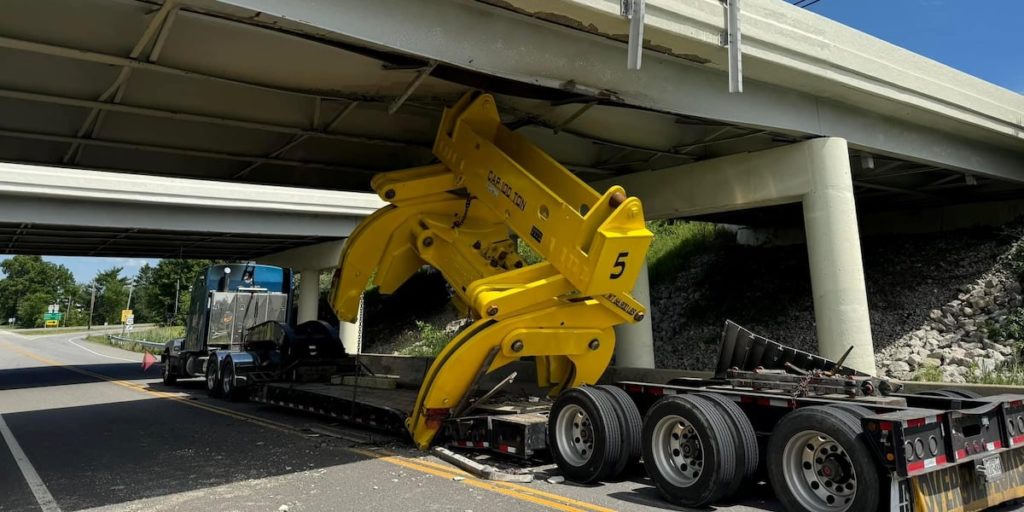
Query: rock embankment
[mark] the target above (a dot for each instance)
(767, 290)
(965, 335)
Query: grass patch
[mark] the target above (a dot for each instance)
(155, 335)
(158, 334)
(933, 374)
(53, 330)
(1007, 375)
(432, 340)
(102, 339)
(1011, 329)
(676, 242)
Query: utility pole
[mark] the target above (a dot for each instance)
(68, 312)
(92, 305)
(177, 288)
(131, 288)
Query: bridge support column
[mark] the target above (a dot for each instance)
(815, 173)
(634, 343)
(309, 295)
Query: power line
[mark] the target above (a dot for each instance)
(805, 3)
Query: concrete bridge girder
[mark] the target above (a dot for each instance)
(815, 173)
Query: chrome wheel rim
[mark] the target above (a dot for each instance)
(819, 472)
(678, 451)
(211, 376)
(225, 382)
(574, 432)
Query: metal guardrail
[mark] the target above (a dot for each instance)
(121, 340)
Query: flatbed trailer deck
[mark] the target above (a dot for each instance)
(948, 450)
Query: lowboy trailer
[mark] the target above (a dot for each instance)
(824, 436)
(827, 438)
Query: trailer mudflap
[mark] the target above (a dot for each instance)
(964, 488)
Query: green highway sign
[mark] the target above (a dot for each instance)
(53, 316)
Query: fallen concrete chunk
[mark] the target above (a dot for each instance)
(480, 470)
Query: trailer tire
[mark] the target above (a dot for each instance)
(584, 435)
(213, 385)
(689, 450)
(951, 393)
(630, 424)
(857, 411)
(169, 376)
(745, 439)
(828, 438)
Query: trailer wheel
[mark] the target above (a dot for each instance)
(745, 438)
(170, 377)
(213, 385)
(231, 391)
(689, 450)
(951, 393)
(630, 424)
(820, 464)
(857, 411)
(584, 434)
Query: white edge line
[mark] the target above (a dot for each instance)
(103, 355)
(42, 494)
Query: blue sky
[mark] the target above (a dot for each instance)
(980, 37)
(85, 268)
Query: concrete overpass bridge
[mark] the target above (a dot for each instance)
(74, 212)
(321, 95)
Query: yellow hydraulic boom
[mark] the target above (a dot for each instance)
(457, 216)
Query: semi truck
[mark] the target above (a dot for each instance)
(826, 437)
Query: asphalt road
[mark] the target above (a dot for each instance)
(85, 428)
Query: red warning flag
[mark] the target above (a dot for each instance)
(148, 360)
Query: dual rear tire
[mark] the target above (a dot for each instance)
(594, 434)
(698, 449)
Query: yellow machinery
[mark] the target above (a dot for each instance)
(458, 216)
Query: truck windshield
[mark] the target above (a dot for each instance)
(262, 276)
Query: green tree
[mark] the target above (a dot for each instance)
(30, 276)
(143, 289)
(159, 285)
(111, 295)
(32, 307)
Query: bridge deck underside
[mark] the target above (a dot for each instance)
(52, 240)
(145, 87)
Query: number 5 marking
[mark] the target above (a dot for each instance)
(619, 266)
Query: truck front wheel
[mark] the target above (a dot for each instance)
(170, 372)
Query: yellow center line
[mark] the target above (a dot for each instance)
(520, 492)
(538, 492)
(445, 472)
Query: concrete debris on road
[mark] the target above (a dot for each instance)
(480, 470)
